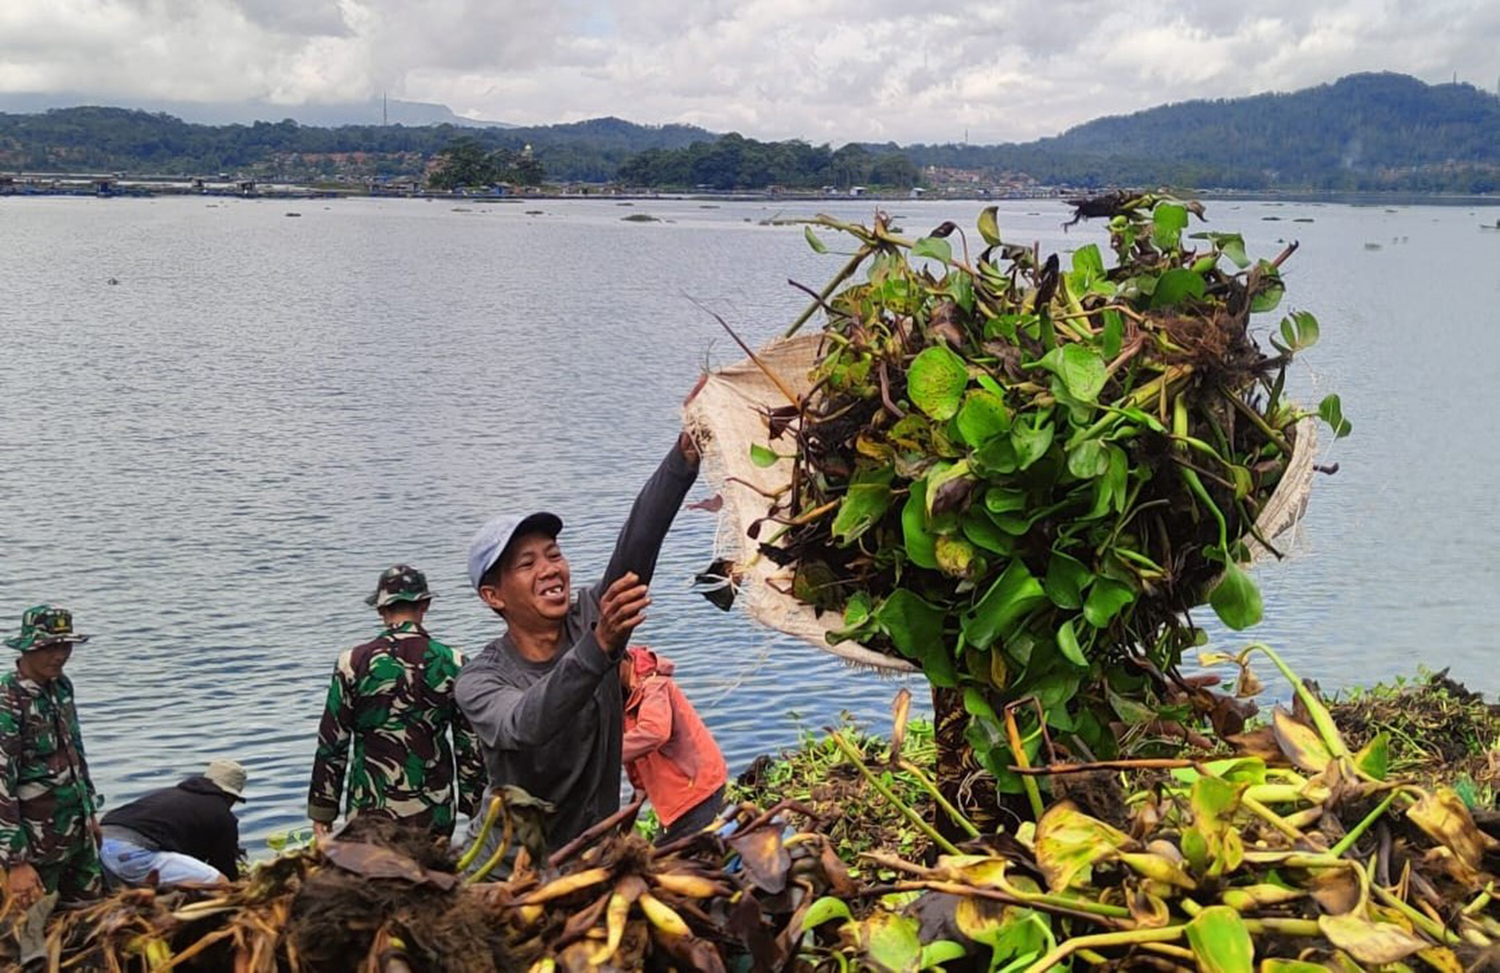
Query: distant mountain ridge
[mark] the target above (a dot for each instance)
(95, 139)
(1377, 119)
(395, 111)
(1362, 132)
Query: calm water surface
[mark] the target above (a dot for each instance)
(211, 460)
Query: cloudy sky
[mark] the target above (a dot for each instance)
(998, 70)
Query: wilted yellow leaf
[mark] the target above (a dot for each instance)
(1068, 841)
(1370, 942)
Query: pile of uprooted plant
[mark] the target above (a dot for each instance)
(1286, 850)
(1024, 478)
(381, 899)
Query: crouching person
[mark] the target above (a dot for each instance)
(184, 834)
(668, 752)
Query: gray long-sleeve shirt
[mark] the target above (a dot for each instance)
(555, 728)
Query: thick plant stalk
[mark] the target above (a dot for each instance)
(826, 292)
(1018, 753)
(906, 812)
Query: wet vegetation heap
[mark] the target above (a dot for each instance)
(1286, 850)
(1024, 476)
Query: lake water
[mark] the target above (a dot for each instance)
(211, 460)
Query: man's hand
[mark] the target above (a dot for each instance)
(686, 444)
(688, 447)
(25, 884)
(622, 608)
(321, 830)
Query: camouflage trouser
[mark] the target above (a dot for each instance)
(76, 878)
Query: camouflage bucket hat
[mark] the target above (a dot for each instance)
(44, 625)
(400, 582)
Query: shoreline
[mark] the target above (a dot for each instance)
(104, 186)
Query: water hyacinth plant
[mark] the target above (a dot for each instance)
(1023, 475)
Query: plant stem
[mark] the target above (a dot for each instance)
(843, 275)
(1284, 927)
(1047, 903)
(624, 814)
(1033, 793)
(1321, 718)
(906, 812)
(1422, 922)
(1348, 840)
(927, 785)
(1145, 763)
(1271, 817)
(1168, 934)
(500, 850)
(1259, 422)
(484, 832)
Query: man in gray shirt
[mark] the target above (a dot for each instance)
(544, 698)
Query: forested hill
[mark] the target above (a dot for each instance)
(1364, 131)
(93, 139)
(1363, 121)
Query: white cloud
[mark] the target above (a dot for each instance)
(815, 69)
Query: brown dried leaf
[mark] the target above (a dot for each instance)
(583, 920)
(1149, 911)
(372, 861)
(1259, 742)
(745, 924)
(837, 873)
(1336, 890)
(1443, 816)
(766, 859)
(900, 711)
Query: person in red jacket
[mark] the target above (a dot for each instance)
(668, 752)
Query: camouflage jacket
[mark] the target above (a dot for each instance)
(392, 699)
(46, 797)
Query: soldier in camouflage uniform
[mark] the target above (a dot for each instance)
(48, 832)
(392, 699)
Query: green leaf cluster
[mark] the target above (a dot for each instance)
(1024, 478)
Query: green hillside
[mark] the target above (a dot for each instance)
(113, 139)
(1362, 132)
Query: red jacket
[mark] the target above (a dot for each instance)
(668, 752)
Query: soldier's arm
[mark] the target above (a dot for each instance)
(77, 731)
(332, 758)
(655, 507)
(506, 717)
(13, 842)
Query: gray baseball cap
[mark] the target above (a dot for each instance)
(490, 541)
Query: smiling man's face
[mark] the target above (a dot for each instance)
(534, 584)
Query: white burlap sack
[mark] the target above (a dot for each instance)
(729, 415)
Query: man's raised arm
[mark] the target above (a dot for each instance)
(655, 507)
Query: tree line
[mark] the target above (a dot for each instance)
(1363, 132)
(735, 162)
